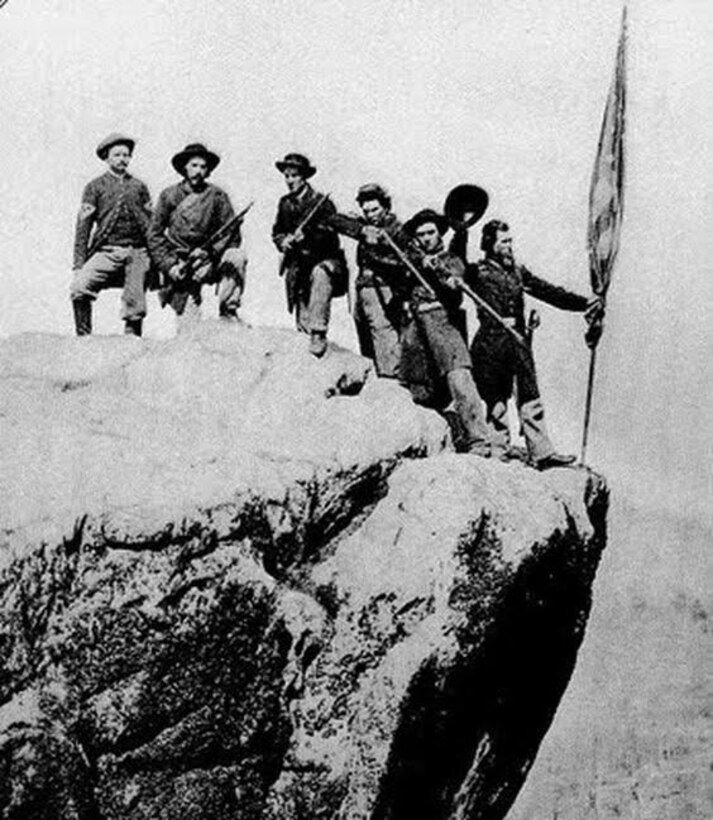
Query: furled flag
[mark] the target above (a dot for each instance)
(606, 195)
(606, 207)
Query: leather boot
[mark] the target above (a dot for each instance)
(555, 460)
(133, 327)
(82, 316)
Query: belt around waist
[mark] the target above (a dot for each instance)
(115, 247)
(428, 307)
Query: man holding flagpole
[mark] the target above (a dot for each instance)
(503, 361)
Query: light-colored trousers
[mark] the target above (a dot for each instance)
(113, 266)
(230, 276)
(534, 429)
(313, 303)
(378, 335)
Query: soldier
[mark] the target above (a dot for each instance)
(183, 242)
(435, 324)
(313, 263)
(111, 238)
(378, 313)
(499, 360)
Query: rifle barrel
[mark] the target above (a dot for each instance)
(409, 264)
(228, 225)
(311, 213)
(493, 313)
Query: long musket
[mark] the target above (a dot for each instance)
(492, 313)
(311, 214)
(229, 226)
(408, 263)
(468, 291)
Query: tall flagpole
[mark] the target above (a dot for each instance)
(606, 208)
(588, 405)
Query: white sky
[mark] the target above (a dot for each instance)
(419, 96)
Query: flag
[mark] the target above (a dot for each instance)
(606, 195)
(606, 210)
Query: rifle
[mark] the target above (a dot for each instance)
(230, 228)
(231, 225)
(303, 224)
(167, 292)
(492, 313)
(462, 285)
(408, 263)
(287, 269)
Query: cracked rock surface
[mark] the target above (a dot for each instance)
(240, 582)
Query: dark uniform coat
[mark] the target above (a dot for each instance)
(115, 210)
(498, 359)
(185, 219)
(321, 242)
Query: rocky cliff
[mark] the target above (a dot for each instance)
(238, 582)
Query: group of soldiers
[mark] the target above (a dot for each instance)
(409, 287)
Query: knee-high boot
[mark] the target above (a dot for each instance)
(82, 316)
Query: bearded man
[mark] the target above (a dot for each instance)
(500, 362)
(187, 244)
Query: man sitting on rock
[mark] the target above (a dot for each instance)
(313, 263)
(500, 362)
(434, 301)
(111, 238)
(186, 244)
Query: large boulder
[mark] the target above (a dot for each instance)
(240, 582)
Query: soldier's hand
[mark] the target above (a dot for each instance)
(430, 262)
(298, 237)
(177, 272)
(371, 234)
(595, 309)
(202, 273)
(198, 256)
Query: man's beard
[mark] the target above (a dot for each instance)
(506, 261)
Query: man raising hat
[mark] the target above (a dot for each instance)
(433, 333)
(111, 238)
(313, 263)
(183, 241)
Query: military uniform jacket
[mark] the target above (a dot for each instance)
(115, 210)
(320, 239)
(186, 219)
(378, 263)
(445, 265)
(504, 288)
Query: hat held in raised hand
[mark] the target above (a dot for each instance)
(464, 205)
